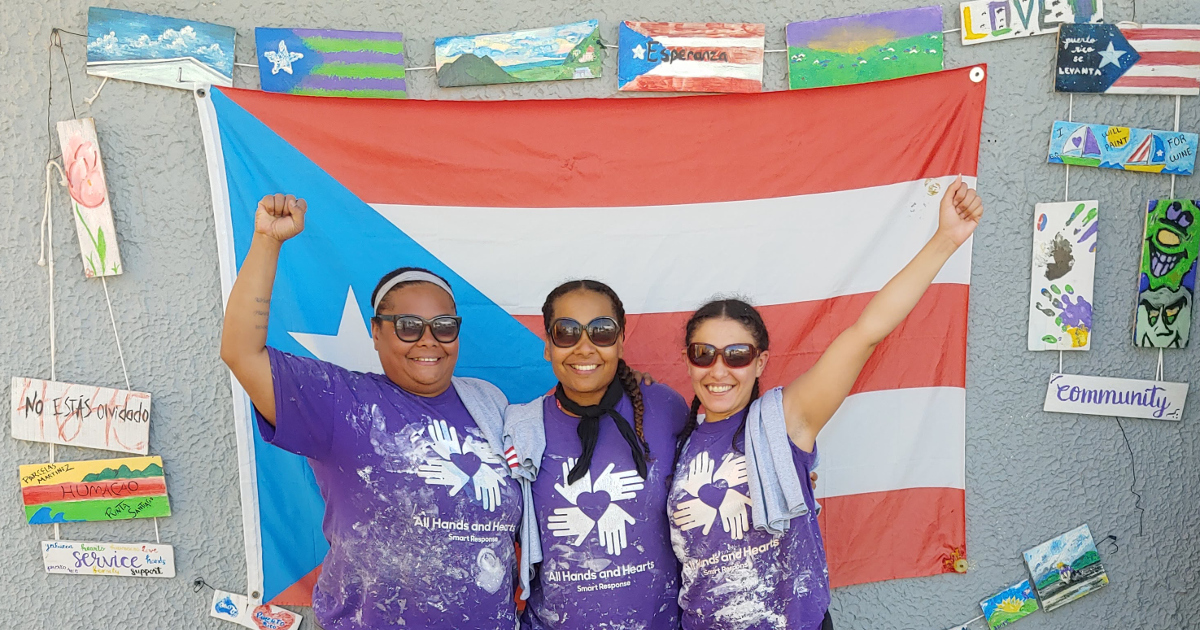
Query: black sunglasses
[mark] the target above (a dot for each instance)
(410, 328)
(565, 332)
(737, 355)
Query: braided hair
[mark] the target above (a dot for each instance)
(624, 374)
(746, 315)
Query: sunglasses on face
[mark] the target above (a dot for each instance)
(737, 355)
(410, 328)
(565, 332)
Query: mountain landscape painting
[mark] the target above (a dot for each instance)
(158, 50)
(571, 51)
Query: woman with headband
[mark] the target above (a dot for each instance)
(420, 515)
(743, 524)
(598, 453)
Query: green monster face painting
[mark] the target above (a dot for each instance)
(1164, 318)
(1172, 242)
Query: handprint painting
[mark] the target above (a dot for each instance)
(1168, 274)
(717, 496)
(1064, 269)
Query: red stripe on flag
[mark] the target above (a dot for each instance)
(300, 593)
(1156, 82)
(927, 350)
(1141, 34)
(698, 29)
(895, 534)
(1169, 58)
(660, 83)
(634, 151)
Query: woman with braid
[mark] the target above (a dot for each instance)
(742, 524)
(598, 453)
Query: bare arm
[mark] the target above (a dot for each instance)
(811, 400)
(244, 335)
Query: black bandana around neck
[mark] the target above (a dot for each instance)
(589, 428)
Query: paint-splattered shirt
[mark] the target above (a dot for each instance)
(420, 513)
(736, 577)
(607, 562)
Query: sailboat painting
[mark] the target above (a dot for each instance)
(1123, 148)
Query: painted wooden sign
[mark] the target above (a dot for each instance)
(863, 48)
(1009, 605)
(690, 57)
(240, 610)
(570, 51)
(89, 197)
(1167, 285)
(1066, 568)
(1122, 148)
(97, 490)
(319, 62)
(1091, 57)
(1127, 398)
(1064, 269)
(994, 20)
(166, 51)
(97, 558)
(80, 415)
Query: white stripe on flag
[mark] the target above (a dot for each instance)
(707, 69)
(1163, 70)
(711, 42)
(1161, 91)
(674, 258)
(1165, 45)
(893, 440)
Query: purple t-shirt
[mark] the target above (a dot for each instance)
(420, 513)
(607, 560)
(736, 577)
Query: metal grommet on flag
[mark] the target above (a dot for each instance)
(977, 74)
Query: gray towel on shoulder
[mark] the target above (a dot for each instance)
(776, 490)
(524, 440)
(486, 404)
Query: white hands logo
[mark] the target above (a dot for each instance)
(594, 506)
(714, 496)
(457, 465)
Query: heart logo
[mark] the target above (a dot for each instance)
(279, 619)
(467, 462)
(1076, 140)
(712, 494)
(593, 503)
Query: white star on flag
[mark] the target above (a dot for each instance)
(283, 59)
(352, 346)
(639, 52)
(1111, 55)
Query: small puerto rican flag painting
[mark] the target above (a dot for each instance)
(690, 57)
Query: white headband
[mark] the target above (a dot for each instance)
(410, 276)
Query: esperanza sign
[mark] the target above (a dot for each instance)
(1129, 398)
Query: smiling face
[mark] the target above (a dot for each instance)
(585, 370)
(423, 367)
(724, 391)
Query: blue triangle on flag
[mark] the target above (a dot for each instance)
(345, 244)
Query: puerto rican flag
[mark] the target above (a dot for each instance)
(805, 202)
(1169, 63)
(690, 57)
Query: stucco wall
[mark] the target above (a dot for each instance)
(1030, 475)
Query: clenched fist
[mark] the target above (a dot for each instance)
(280, 216)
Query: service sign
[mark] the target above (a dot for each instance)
(120, 559)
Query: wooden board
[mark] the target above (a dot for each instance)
(119, 559)
(97, 490)
(1064, 270)
(1127, 398)
(690, 57)
(89, 197)
(244, 612)
(80, 415)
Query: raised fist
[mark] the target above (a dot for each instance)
(280, 216)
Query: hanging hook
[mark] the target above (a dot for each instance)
(199, 583)
(1112, 540)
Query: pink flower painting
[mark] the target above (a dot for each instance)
(84, 176)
